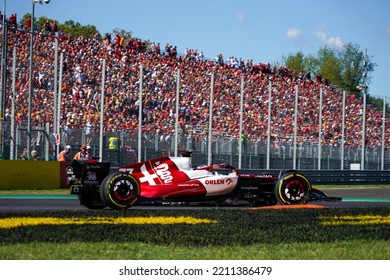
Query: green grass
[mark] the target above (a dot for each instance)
(35, 192)
(237, 234)
(342, 250)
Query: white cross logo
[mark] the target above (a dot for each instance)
(148, 177)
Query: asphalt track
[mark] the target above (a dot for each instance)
(351, 198)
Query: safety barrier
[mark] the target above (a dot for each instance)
(336, 177)
(27, 174)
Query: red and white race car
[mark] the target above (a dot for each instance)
(173, 180)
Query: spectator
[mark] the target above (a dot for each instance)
(97, 36)
(168, 49)
(174, 52)
(82, 72)
(89, 152)
(47, 27)
(88, 130)
(54, 26)
(12, 21)
(35, 156)
(24, 154)
(158, 48)
(28, 23)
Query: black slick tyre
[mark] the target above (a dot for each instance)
(292, 188)
(119, 190)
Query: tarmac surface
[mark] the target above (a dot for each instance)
(351, 198)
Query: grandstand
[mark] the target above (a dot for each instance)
(82, 84)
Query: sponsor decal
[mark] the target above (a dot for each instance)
(249, 188)
(191, 185)
(91, 178)
(94, 167)
(164, 173)
(215, 182)
(113, 180)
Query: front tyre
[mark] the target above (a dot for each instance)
(119, 190)
(292, 188)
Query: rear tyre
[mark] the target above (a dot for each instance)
(119, 190)
(292, 188)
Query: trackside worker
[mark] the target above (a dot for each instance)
(82, 154)
(65, 154)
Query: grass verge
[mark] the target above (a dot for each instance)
(335, 234)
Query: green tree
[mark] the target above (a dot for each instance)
(123, 33)
(346, 68)
(300, 63)
(69, 27)
(76, 29)
(356, 67)
(329, 67)
(295, 62)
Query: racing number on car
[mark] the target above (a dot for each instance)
(163, 172)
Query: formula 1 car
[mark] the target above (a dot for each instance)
(172, 180)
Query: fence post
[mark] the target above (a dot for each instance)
(177, 111)
(47, 141)
(209, 158)
(320, 131)
(240, 137)
(343, 132)
(295, 128)
(58, 126)
(102, 110)
(12, 140)
(140, 112)
(383, 134)
(268, 165)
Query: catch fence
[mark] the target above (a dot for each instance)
(120, 148)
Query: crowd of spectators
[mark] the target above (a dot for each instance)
(81, 92)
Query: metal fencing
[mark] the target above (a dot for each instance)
(120, 148)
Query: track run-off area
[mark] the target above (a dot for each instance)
(351, 198)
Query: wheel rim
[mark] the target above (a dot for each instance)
(294, 190)
(123, 190)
